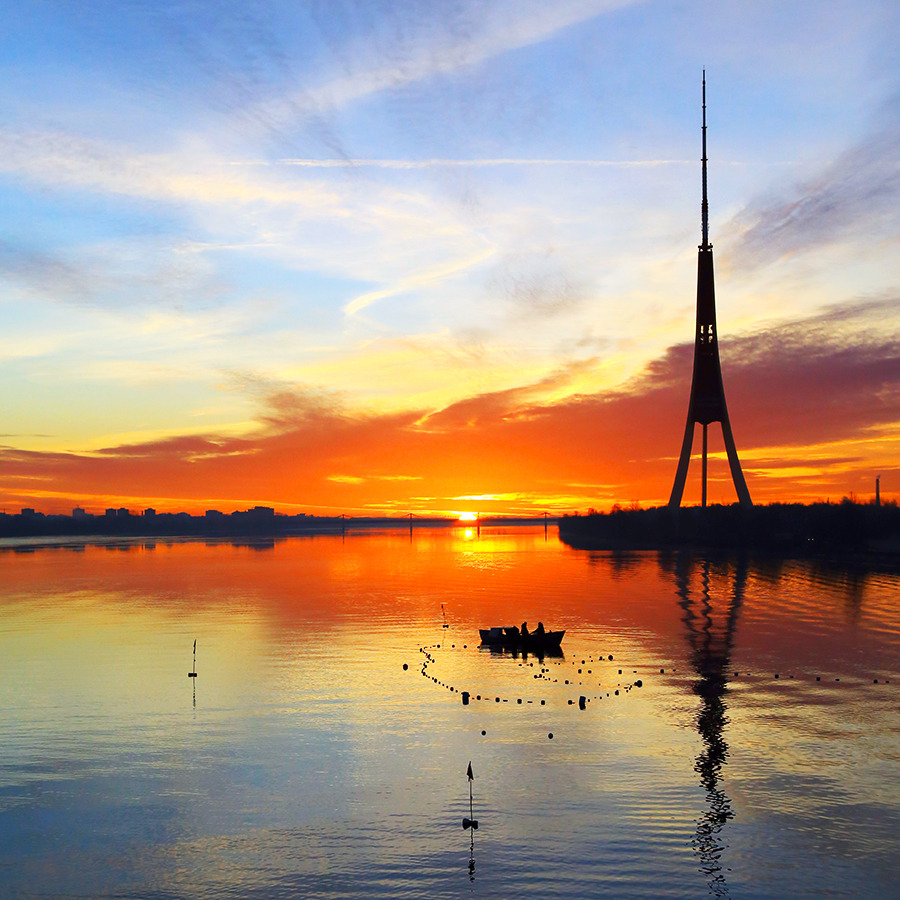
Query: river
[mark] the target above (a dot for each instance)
(713, 727)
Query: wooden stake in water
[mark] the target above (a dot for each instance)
(193, 672)
(470, 822)
(444, 614)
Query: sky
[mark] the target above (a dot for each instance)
(439, 256)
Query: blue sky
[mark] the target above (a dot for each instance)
(395, 207)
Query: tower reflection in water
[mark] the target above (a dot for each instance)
(710, 619)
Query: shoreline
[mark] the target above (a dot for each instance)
(784, 530)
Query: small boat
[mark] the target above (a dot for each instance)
(511, 637)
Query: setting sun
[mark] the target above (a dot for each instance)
(468, 517)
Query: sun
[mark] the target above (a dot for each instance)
(468, 517)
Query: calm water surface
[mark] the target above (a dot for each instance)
(322, 749)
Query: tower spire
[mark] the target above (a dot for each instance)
(704, 206)
(707, 403)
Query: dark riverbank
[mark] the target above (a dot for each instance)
(786, 529)
(257, 522)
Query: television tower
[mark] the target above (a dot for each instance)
(707, 403)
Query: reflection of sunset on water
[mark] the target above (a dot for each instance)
(303, 721)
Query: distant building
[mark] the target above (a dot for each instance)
(110, 513)
(28, 513)
(79, 513)
(149, 513)
(263, 512)
(122, 512)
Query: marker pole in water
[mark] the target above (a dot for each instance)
(470, 822)
(444, 614)
(193, 672)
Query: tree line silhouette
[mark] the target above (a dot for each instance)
(778, 527)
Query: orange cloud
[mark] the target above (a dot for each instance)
(814, 408)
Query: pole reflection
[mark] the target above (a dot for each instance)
(710, 627)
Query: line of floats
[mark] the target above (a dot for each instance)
(540, 643)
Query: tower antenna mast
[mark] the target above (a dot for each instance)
(704, 206)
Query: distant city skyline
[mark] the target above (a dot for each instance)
(440, 258)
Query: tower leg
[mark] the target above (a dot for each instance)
(705, 468)
(737, 476)
(683, 463)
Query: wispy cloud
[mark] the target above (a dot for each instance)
(464, 163)
(416, 281)
(855, 198)
(369, 232)
(416, 41)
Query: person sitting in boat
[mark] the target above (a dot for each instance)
(539, 631)
(524, 631)
(511, 633)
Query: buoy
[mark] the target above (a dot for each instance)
(543, 702)
(610, 657)
(465, 698)
(550, 735)
(483, 732)
(405, 667)
(582, 700)
(470, 821)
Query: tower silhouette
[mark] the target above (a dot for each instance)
(707, 403)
